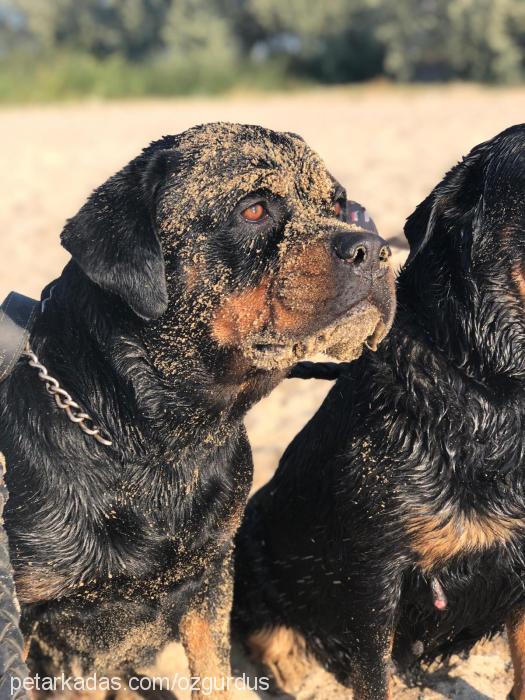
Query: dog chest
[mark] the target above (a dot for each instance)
(436, 538)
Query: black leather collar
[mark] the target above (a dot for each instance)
(17, 317)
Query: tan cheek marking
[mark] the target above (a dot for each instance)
(286, 320)
(283, 652)
(519, 277)
(241, 314)
(302, 287)
(437, 539)
(516, 634)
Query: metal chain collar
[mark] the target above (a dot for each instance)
(65, 402)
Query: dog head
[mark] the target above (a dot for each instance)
(232, 239)
(466, 270)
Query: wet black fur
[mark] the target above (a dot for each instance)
(436, 416)
(138, 532)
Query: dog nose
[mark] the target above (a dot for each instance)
(364, 251)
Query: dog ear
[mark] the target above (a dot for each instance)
(113, 237)
(420, 224)
(452, 206)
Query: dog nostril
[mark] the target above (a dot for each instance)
(384, 253)
(359, 255)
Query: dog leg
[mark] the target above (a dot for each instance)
(370, 673)
(205, 635)
(358, 652)
(516, 634)
(71, 695)
(282, 652)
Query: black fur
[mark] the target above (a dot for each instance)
(116, 548)
(432, 423)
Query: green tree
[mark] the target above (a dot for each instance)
(200, 45)
(196, 28)
(440, 39)
(334, 40)
(55, 48)
(99, 27)
(485, 42)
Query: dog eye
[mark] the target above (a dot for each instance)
(338, 209)
(256, 212)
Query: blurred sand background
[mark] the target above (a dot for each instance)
(388, 146)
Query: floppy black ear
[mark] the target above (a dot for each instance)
(452, 205)
(113, 238)
(420, 224)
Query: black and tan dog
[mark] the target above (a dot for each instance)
(395, 524)
(199, 274)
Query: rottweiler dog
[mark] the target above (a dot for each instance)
(394, 527)
(199, 274)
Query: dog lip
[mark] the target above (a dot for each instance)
(268, 347)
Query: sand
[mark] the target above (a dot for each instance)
(388, 146)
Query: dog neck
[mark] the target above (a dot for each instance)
(180, 348)
(478, 334)
(101, 353)
(453, 421)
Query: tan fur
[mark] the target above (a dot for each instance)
(519, 277)
(85, 695)
(439, 538)
(290, 300)
(304, 284)
(283, 652)
(241, 314)
(203, 653)
(70, 695)
(516, 634)
(34, 585)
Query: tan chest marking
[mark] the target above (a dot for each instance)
(439, 538)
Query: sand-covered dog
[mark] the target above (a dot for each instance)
(199, 274)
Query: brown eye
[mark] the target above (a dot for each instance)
(338, 208)
(254, 213)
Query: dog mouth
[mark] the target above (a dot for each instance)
(343, 339)
(265, 348)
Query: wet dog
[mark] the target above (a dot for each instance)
(200, 273)
(394, 526)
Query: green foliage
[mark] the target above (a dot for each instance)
(485, 43)
(51, 49)
(336, 39)
(70, 76)
(98, 27)
(439, 39)
(197, 36)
